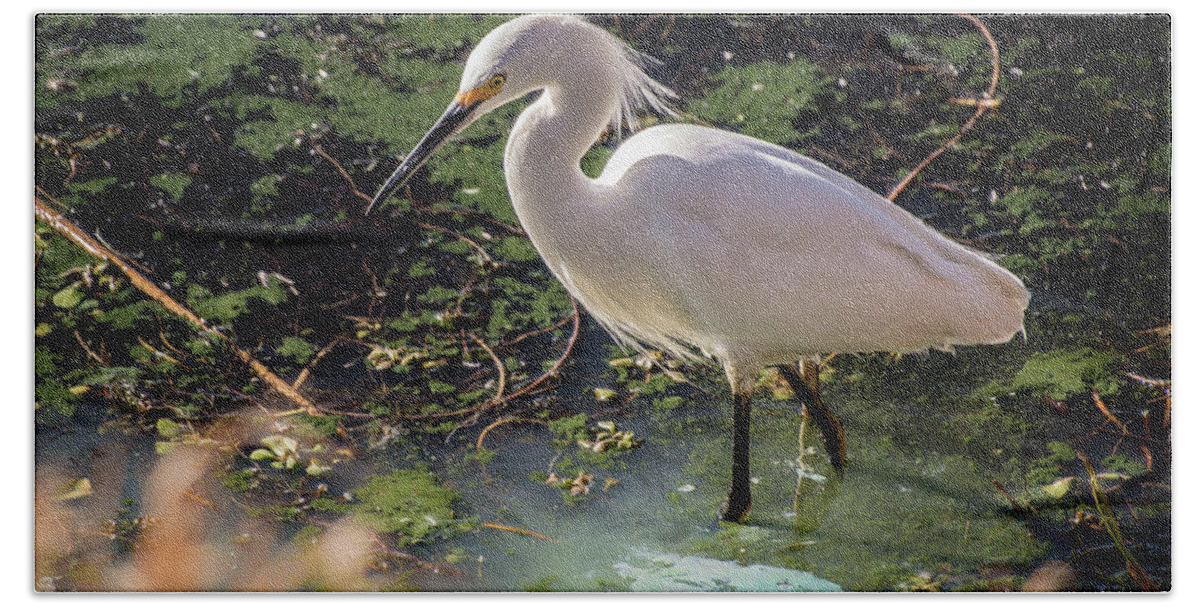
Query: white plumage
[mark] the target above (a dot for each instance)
(700, 240)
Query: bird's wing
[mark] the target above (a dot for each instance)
(741, 228)
(750, 202)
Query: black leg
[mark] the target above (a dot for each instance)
(807, 385)
(737, 504)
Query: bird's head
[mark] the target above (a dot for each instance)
(531, 53)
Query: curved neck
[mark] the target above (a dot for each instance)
(541, 160)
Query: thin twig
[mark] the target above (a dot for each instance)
(89, 351)
(168, 344)
(1108, 414)
(346, 175)
(561, 359)
(1149, 381)
(517, 530)
(472, 214)
(500, 422)
(484, 257)
(303, 375)
(499, 367)
(981, 107)
(534, 332)
(157, 352)
(1016, 506)
(1108, 519)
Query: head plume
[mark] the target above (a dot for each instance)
(561, 44)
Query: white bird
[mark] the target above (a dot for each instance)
(706, 243)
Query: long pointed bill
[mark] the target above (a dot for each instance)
(455, 119)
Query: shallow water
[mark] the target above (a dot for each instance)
(915, 511)
(902, 512)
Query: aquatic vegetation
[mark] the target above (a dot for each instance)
(768, 101)
(409, 503)
(585, 452)
(607, 437)
(1061, 373)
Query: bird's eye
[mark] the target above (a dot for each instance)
(497, 82)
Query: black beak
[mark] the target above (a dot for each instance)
(456, 117)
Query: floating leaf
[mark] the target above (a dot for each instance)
(296, 348)
(603, 394)
(76, 488)
(171, 183)
(168, 428)
(1060, 487)
(67, 297)
(282, 446)
(316, 467)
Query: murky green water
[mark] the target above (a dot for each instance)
(911, 509)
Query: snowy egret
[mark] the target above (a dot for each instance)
(709, 244)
